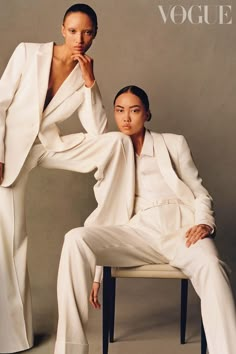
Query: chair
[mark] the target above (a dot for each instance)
(164, 271)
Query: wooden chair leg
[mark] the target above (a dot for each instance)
(203, 340)
(112, 308)
(183, 311)
(106, 308)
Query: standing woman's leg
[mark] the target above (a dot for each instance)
(112, 156)
(15, 302)
(105, 154)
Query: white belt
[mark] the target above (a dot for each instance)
(141, 204)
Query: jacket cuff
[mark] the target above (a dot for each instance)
(98, 274)
(91, 92)
(212, 226)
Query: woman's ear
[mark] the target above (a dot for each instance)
(149, 116)
(63, 30)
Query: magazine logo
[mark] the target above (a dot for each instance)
(197, 14)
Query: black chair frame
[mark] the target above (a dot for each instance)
(108, 312)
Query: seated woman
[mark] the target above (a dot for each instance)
(172, 222)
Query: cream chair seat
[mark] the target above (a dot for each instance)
(163, 271)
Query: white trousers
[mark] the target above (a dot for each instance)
(154, 235)
(102, 152)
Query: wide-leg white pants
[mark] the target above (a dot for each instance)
(153, 235)
(108, 151)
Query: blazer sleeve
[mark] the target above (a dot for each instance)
(92, 113)
(189, 175)
(9, 83)
(98, 274)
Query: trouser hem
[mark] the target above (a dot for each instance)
(17, 349)
(62, 347)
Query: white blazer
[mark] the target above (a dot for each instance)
(23, 89)
(174, 159)
(179, 171)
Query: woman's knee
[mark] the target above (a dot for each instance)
(118, 137)
(75, 236)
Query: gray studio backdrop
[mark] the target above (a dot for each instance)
(189, 73)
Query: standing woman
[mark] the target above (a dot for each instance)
(42, 85)
(172, 222)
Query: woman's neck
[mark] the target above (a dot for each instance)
(137, 140)
(62, 54)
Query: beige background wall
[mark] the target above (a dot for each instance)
(188, 72)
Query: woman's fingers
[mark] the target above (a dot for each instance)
(196, 233)
(86, 66)
(93, 298)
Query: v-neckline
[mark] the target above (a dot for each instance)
(62, 84)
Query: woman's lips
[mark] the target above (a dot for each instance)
(79, 48)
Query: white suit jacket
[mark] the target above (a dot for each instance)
(174, 159)
(23, 89)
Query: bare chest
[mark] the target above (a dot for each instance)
(58, 74)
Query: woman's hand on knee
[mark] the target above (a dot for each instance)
(196, 233)
(93, 298)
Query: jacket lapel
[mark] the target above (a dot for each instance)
(44, 59)
(72, 83)
(163, 158)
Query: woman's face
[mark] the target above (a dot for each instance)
(78, 31)
(130, 114)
